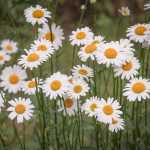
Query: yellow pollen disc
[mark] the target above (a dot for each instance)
(110, 53)
(114, 121)
(32, 57)
(1, 57)
(14, 79)
(77, 89)
(42, 47)
(68, 102)
(140, 30)
(38, 13)
(93, 106)
(83, 72)
(127, 66)
(108, 110)
(20, 108)
(49, 36)
(9, 48)
(80, 35)
(31, 84)
(138, 87)
(90, 48)
(55, 85)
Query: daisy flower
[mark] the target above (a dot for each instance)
(112, 54)
(116, 125)
(32, 59)
(147, 6)
(9, 46)
(68, 105)
(78, 88)
(54, 34)
(124, 11)
(137, 32)
(20, 108)
(128, 69)
(12, 78)
(82, 71)
(137, 89)
(37, 14)
(4, 57)
(98, 39)
(1, 101)
(81, 36)
(108, 109)
(56, 85)
(90, 106)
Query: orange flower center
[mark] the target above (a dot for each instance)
(31, 84)
(42, 47)
(55, 85)
(49, 36)
(80, 35)
(38, 13)
(9, 48)
(20, 108)
(93, 106)
(127, 66)
(108, 110)
(140, 30)
(90, 48)
(138, 87)
(32, 57)
(83, 72)
(77, 89)
(1, 57)
(110, 53)
(68, 102)
(14, 79)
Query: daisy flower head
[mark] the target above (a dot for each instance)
(12, 78)
(9, 46)
(21, 109)
(1, 101)
(78, 88)
(82, 71)
(54, 34)
(56, 85)
(4, 57)
(108, 109)
(32, 59)
(137, 89)
(128, 69)
(98, 39)
(37, 15)
(112, 54)
(68, 105)
(137, 32)
(116, 125)
(81, 36)
(147, 6)
(124, 11)
(90, 106)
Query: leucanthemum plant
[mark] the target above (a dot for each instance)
(4, 57)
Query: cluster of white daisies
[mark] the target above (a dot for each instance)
(68, 90)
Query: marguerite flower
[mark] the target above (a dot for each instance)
(9, 46)
(137, 89)
(116, 125)
(90, 106)
(54, 34)
(137, 32)
(56, 85)
(20, 108)
(108, 109)
(82, 71)
(1, 101)
(147, 6)
(81, 36)
(98, 39)
(37, 14)
(128, 69)
(4, 57)
(12, 78)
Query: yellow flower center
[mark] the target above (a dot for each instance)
(32, 57)
(140, 30)
(80, 35)
(107, 109)
(20, 108)
(55, 85)
(110, 53)
(14, 79)
(93, 106)
(9, 48)
(38, 13)
(1, 57)
(83, 72)
(114, 121)
(31, 84)
(42, 47)
(138, 87)
(49, 36)
(68, 102)
(90, 48)
(127, 66)
(77, 89)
